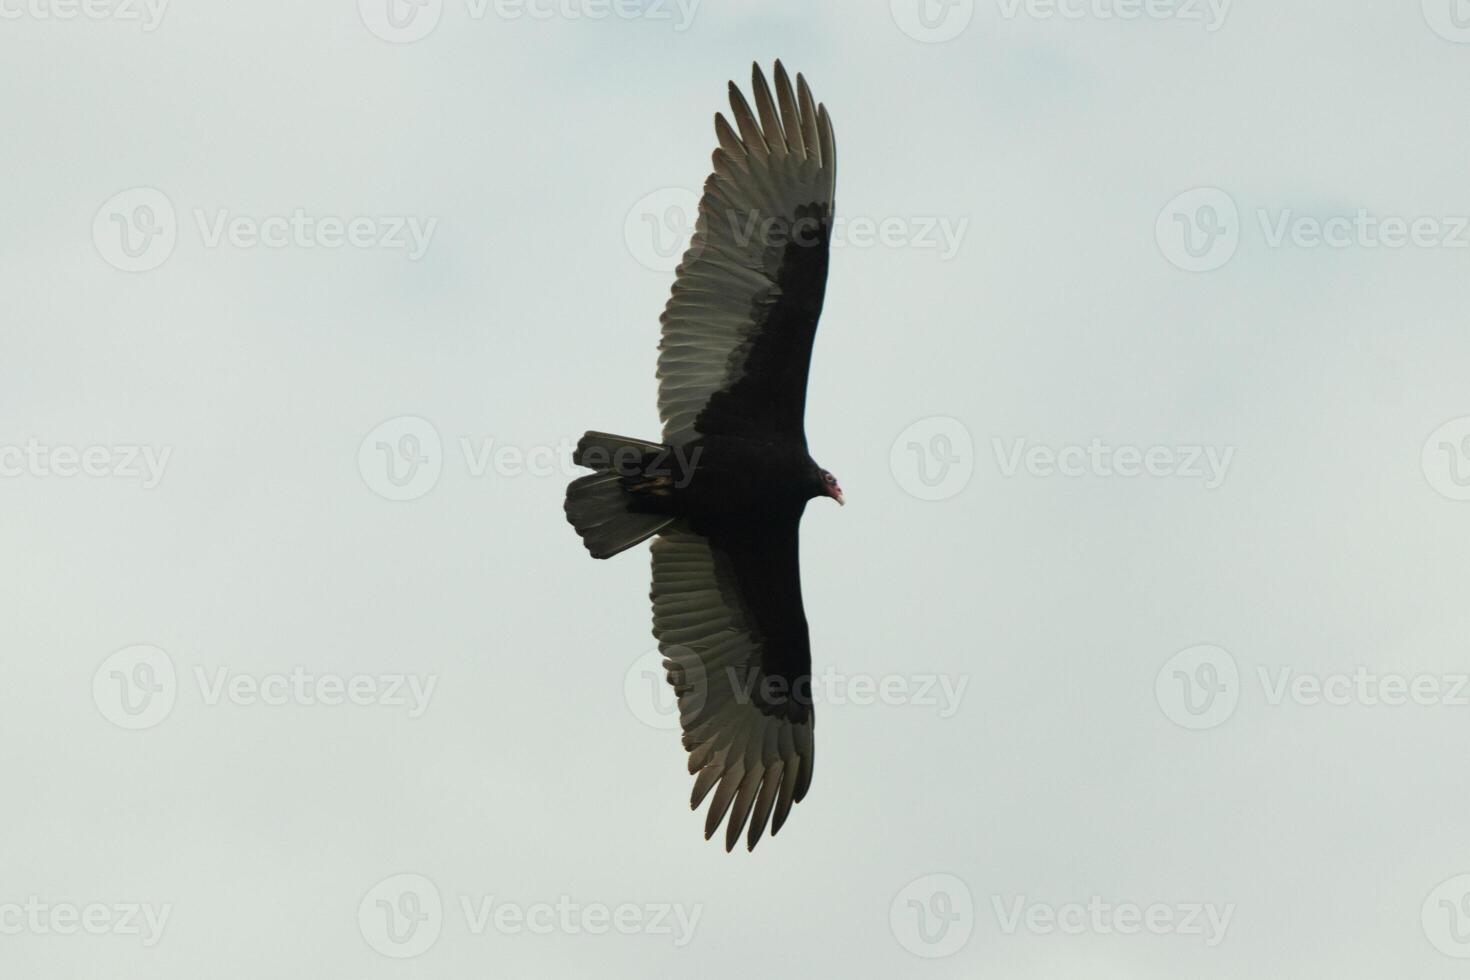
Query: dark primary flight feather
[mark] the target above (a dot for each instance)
(726, 497)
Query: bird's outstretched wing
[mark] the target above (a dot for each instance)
(738, 329)
(727, 613)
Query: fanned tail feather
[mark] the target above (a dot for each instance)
(600, 506)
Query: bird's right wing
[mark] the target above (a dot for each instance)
(728, 617)
(738, 329)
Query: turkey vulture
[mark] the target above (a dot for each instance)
(725, 488)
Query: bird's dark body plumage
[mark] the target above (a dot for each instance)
(738, 478)
(723, 493)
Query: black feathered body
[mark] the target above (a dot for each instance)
(738, 479)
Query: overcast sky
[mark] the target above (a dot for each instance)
(1141, 644)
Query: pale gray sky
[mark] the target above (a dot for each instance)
(1206, 720)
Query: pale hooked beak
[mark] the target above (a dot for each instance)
(836, 494)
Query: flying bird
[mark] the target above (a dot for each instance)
(723, 492)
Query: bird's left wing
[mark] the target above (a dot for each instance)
(738, 329)
(728, 616)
